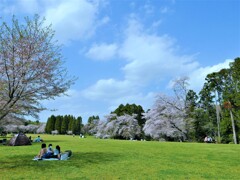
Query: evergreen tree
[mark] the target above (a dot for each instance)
(70, 123)
(207, 104)
(50, 126)
(223, 88)
(78, 125)
(58, 123)
(92, 118)
(64, 127)
(191, 106)
(131, 109)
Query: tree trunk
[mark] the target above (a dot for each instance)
(233, 127)
(218, 123)
(218, 119)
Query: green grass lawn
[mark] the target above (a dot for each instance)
(117, 159)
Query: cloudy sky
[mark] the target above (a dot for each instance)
(127, 51)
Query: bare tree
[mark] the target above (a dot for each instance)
(180, 88)
(30, 67)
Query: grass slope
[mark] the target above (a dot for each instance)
(115, 159)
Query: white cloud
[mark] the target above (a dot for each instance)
(145, 100)
(152, 57)
(149, 58)
(114, 93)
(102, 51)
(73, 20)
(197, 77)
(108, 90)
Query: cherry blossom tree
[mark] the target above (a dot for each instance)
(165, 119)
(30, 67)
(122, 127)
(168, 118)
(92, 126)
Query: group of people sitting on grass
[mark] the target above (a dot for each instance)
(47, 153)
(209, 139)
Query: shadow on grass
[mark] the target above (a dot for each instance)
(15, 162)
(48, 141)
(88, 158)
(77, 160)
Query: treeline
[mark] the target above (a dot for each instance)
(64, 124)
(184, 116)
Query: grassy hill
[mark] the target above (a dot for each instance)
(115, 159)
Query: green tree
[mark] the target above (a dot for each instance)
(70, 123)
(191, 102)
(92, 118)
(64, 126)
(231, 96)
(191, 120)
(223, 88)
(131, 109)
(58, 123)
(91, 126)
(202, 125)
(50, 126)
(78, 125)
(216, 85)
(206, 103)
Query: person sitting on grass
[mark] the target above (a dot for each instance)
(42, 152)
(49, 153)
(57, 152)
(49, 149)
(206, 139)
(38, 139)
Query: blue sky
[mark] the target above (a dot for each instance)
(127, 51)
